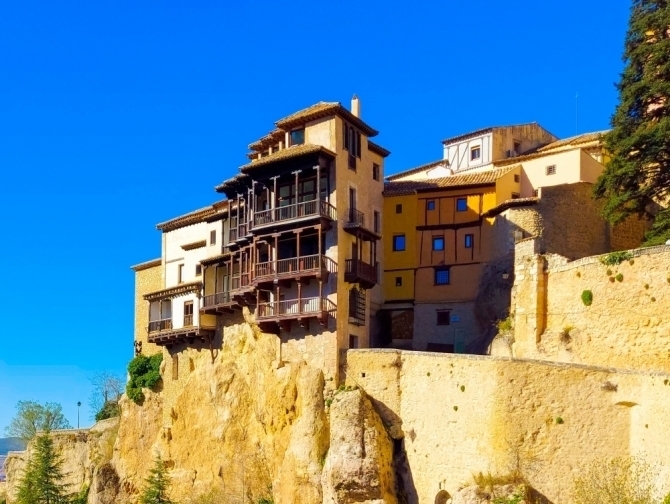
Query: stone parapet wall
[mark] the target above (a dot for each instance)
(457, 415)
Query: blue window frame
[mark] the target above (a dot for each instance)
(469, 240)
(462, 205)
(441, 276)
(399, 243)
(438, 243)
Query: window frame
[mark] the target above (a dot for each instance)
(290, 137)
(398, 208)
(475, 149)
(377, 221)
(212, 237)
(438, 239)
(404, 242)
(375, 171)
(458, 201)
(517, 178)
(430, 205)
(180, 273)
(198, 270)
(550, 170)
(472, 241)
(439, 270)
(443, 322)
(398, 281)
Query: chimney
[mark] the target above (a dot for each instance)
(356, 106)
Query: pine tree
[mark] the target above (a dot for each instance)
(157, 484)
(638, 177)
(41, 482)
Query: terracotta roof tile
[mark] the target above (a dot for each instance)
(567, 144)
(324, 109)
(271, 138)
(288, 153)
(573, 141)
(511, 203)
(471, 179)
(378, 149)
(418, 169)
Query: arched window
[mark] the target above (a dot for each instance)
(442, 497)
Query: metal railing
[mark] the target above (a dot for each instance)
(357, 269)
(295, 211)
(355, 217)
(290, 308)
(216, 299)
(160, 325)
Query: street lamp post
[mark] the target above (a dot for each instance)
(78, 406)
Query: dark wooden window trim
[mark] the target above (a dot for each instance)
(443, 317)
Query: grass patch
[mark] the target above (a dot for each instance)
(587, 297)
(615, 258)
(487, 480)
(505, 325)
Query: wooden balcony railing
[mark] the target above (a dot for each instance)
(232, 235)
(295, 266)
(295, 308)
(360, 271)
(216, 299)
(355, 218)
(242, 230)
(160, 325)
(240, 281)
(294, 212)
(188, 320)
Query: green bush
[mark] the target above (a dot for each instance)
(616, 258)
(587, 297)
(619, 277)
(505, 325)
(109, 410)
(560, 421)
(144, 373)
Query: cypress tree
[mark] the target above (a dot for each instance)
(157, 484)
(637, 179)
(41, 482)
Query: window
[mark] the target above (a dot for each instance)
(357, 306)
(536, 192)
(441, 276)
(353, 341)
(430, 205)
(188, 313)
(443, 317)
(297, 137)
(212, 237)
(469, 240)
(377, 227)
(475, 153)
(180, 273)
(198, 270)
(438, 243)
(398, 281)
(352, 140)
(398, 243)
(551, 170)
(517, 147)
(461, 205)
(375, 171)
(398, 208)
(516, 178)
(515, 195)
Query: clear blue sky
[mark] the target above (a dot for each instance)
(117, 115)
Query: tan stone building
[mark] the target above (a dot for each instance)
(294, 247)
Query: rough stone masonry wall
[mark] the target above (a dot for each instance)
(458, 415)
(626, 326)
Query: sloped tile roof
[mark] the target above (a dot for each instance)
(573, 141)
(324, 109)
(567, 144)
(470, 179)
(511, 203)
(418, 169)
(378, 149)
(288, 153)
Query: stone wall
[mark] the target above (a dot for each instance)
(457, 415)
(626, 325)
(146, 280)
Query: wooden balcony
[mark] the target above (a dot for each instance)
(162, 333)
(357, 225)
(360, 272)
(242, 289)
(238, 234)
(295, 309)
(297, 212)
(294, 268)
(221, 302)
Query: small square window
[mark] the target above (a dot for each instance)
(443, 317)
(469, 240)
(430, 205)
(198, 270)
(517, 178)
(398, 281)
(212, 237)
(375, 171)
(515, 195)
(398, 208)
(462, 205)
(438, 243)
(353, 341)
(441, 276)
(475, 153)
(297, 137)
(399, 243)
(551, 170)
(536, 192)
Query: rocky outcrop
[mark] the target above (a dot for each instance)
(80, 451)
(359, 465)
(476, 494)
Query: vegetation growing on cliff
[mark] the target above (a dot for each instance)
(157, 484)
(621, 479)
(32, 417)
(638, 175)
(144, 373)
(41, 481)
(104, 400)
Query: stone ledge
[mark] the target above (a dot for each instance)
(658, 249)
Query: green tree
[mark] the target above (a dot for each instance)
(107, 390)
(41, 481)
(144, 373)
(157, 484)
(32, 417)
(638, 177)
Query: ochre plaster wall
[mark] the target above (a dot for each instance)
(458, 415)
(146, 280)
